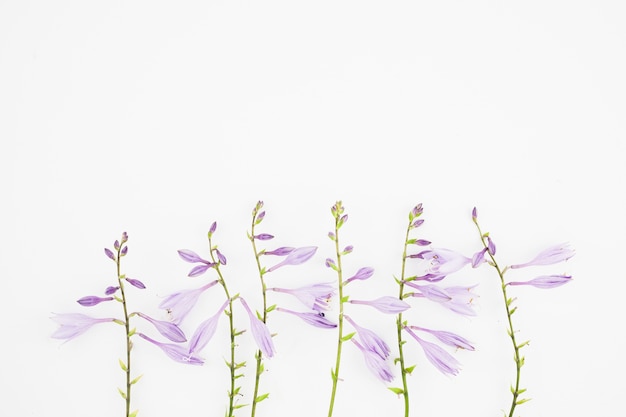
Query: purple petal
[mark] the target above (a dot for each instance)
(92, 300)
(74, 324)
(282, 251)
(221, 257)
(199, 270)
(109, 253)
(385, 304)
(554, 254)
(260, 332)
(205, 331)
(136, 283)
(179, 304)
(377, 365)
(177, 353)
(167, 329)
(190, 256)
(314, 319)
(449, 338)
(545, 281)
(441, 359)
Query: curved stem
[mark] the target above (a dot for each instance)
(335, 372)
(403, 372)
(129, 344)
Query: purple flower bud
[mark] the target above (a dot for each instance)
(260, 217)
(124, 237)
(314, 319)
(221, 257)
(330, 264)
(135, 283)
(177, 353)
(213, 228)
(347, 249)
(264, 236)
(124, 251)
(362, 274)
(296, 257)
(417, 210)
(111, 290)
(190, 256)
(422, 242)
(331, 235)
(116, 245)
(478, 258)
(417, 223)
(282, 251)
(385, 304)
(474, 215)
(167, 329)
(199, 270)
(491, 246)
(109, 253)
(92, 300)
(545, 281)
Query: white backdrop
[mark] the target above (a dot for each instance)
(158, 118)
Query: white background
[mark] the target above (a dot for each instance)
(157, 118)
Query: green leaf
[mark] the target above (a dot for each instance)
(240, 365)
(261, 368)
(271, 308)
(523, 344)
(123, 365)
(238, 376)
(398, 391)
(239, 406)
(348, 337)
(261, 397)
(513, 310)
(236, 391)
(345, 298)
(522, 401)
(409, 369)
(122, 393)
(134, 381)
(133, 414)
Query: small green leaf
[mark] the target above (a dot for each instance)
(261, 397)
(133, 414)
(345, 298)
(521, 391)
(348, 337)
(240, 365)
(271, 308)
(134, 381)
(238, 376)
(513, 310)
(409, 369)
(122, 393)
(132, 332)
(398, 391)
(236, 391)
(261, 368)
(522, 401)
(523, 344)
(239, 406)
(123, 365)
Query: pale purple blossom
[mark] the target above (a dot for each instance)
(192, 257)
(442, 262)
(491, 246)
(124, 251)
(316, 296)
(177, 353)
(180, 303)
(263, 236)
(441, 359)
(457, 299)
(136, 283)
(362, 274)
(260, 332)
(109, 253)
(206, 330)
(385, 304)
(220, 256)
(370, 339)
(92, 300)
(314, 319)
(429, 291)
(167, 329)
(377, 365)
(449, 338)
(282, 251)
(478, 258)
(545, 281)
(111, 290)
(552, 255)
(296, 257)
(74, 324)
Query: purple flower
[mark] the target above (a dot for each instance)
(213, 228)
(109, 253)
(263, 236)
(74, 324)
(377, 365)
(449, 338)
(478, 258)
(362, 274)
(111, 290)
(442, 262)
(441, 359)
(552, 255)
(136, 283)
(177, 353)
(260, 332)
(430, 291)
(457, 299)
(545, 281)
(371, 340)
(491, 246)
(179, 304)
(314, 319)
(385, 304)
(124, 251)
(282, 251)
(221, 257)
(316, 296)
(167, 329)
(192, 257)
(92, 300)
(296, 257)
(205, 331)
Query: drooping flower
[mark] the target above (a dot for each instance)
(167, 329)
(430, 291)
(314, 319)
(552, 255)
(177, 353)
(458, 299)
(441, 359)
(282, 251)
(92, 300)
(316, 296)
(479, 258)
(370, 340)
(545, 281)
(449, 338)
(296, 257)
(362, 274)
(260, 332)
(442, 262)
(74, 324)
(180, 303)
(377, 365)
(385, 304)
(192, 257)
(206, 330)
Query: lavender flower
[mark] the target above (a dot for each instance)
(316, 296)
(314, 319)
(111, 290)
(282, 251)
(177, 353)
(377, 365)
(180, 303)
(362, 274)
(205, 331)
(296, 257)
(545, 281)
(74, 324)
(442, 262)
(263, 236)
(92, 300)
(457, 299)
(448, 338)
(192, 257)
(385, 304)
(136, 283)
(552, 255)
(371, 340)
(109, 253)
(260, 332)
(441, 359)
(167, 329)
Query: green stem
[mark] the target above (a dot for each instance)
(129, 344)
(405, 387)
(335, 372)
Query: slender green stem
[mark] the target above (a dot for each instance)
(259, 354)
(129, 344)
(335, 372)
(403, 372)
(519, 360)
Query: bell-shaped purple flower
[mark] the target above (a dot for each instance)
(192, 257)
(296, 257)
(370, 339)
(260, 332)
(180, 303)
(449, 338)
(74, 324)
(282, 251)
(441, 359)
(205, 331)
(316, 297)
(111, 290)
(92, 300)
(167, 329)
(385, 304)
(457, 299)
(362, 274)
(442, 262)
(377, 365)
(314, 319)
(545, 281)
(177, 353)
(552, 255)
